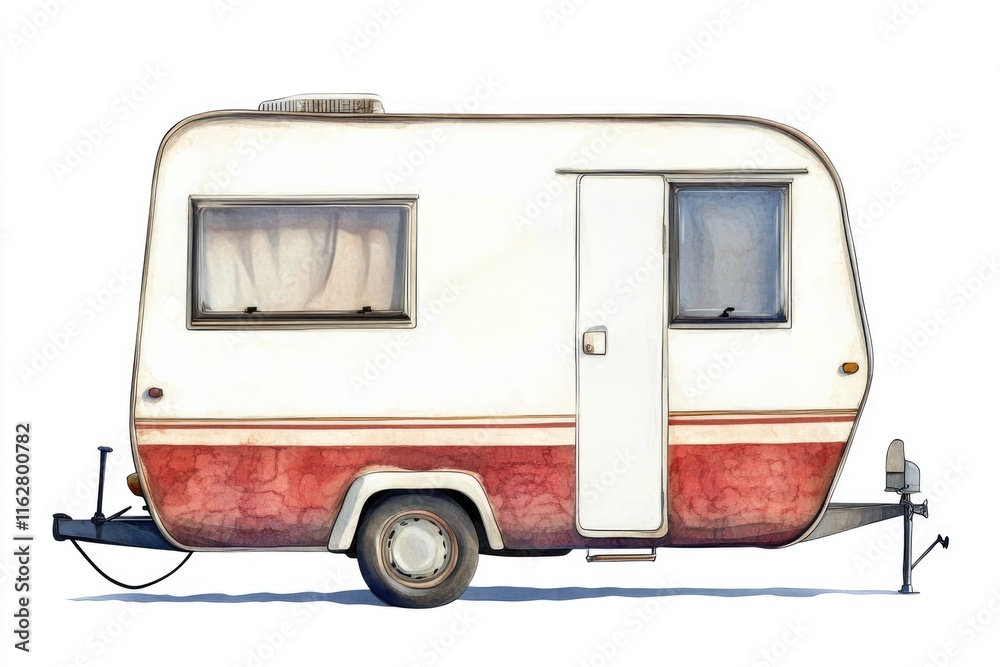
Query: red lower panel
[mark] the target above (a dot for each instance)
(762, 495)
(275, 496)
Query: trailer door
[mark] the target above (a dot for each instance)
(621, 399)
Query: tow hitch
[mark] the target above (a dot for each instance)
(128, 531)
(901, 477)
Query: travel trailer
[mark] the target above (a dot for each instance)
(415, 339)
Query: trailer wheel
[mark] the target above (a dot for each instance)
(417, 550)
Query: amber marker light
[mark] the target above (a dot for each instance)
(133, 484)
(850, 368)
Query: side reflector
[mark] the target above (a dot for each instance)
(133, 484)
(850, 368)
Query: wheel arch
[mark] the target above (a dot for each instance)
(460, 486)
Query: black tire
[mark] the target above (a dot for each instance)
(417, 550)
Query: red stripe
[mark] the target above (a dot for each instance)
(339, 427)
(837, 443)
(674, 421)
(763, 420)
(330, 445)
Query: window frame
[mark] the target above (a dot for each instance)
(198, 319)
(785, 254)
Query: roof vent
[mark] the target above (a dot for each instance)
(325, 104)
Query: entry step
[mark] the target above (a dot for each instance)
(619, 556)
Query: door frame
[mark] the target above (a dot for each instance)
(664, 386)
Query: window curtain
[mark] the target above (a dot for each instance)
(301, 258)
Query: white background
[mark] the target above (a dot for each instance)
(884, 80)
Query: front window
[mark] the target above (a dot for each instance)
(304, 261)
(729, 254)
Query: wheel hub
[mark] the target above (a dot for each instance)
(418, 549)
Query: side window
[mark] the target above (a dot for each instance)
(729, 253)
(267, 262)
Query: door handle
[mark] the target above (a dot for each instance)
(595, 341)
